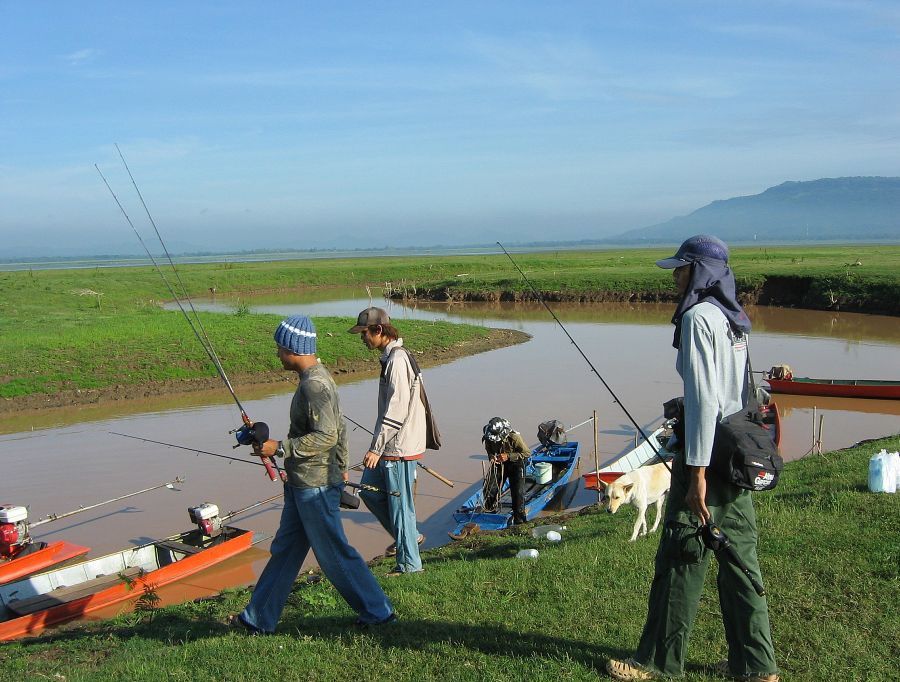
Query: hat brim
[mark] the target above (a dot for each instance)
(357, 329)
(672, 263)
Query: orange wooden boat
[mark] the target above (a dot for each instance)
(29, 605)
(39, 556)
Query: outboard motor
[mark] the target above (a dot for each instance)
(13, 530)
(551, 433)
(206, 516)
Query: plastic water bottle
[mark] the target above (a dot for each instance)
(527, 554)
(542, 531)
(553, 536)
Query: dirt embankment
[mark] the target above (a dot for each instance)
(497, 338)
(792, 292)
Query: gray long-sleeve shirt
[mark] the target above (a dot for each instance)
(712, 362)
(315, 451)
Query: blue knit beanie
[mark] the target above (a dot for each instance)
(297, 334)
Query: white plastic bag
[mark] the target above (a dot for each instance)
(884, 472)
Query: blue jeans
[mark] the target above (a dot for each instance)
(311, 519)
(396, 514)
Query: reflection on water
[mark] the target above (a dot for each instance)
(58, 468)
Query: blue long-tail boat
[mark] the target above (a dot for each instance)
(563, 460)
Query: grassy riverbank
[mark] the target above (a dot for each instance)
(830, 552)
(102, 328)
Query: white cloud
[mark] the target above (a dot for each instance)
(81, 57)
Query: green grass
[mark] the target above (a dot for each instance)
(829, 550)
(92, 328)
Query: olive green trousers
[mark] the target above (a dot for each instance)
(681, 563)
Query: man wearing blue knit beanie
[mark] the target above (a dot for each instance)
(315, 460)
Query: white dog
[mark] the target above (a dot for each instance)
(642, 487)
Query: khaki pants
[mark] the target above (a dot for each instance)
(681, 563)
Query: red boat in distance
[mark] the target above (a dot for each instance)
(781, 380)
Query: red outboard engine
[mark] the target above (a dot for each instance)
(13, 530)
(206, 516)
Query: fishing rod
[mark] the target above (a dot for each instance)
(431, 471)
(586, 359)
(359, 486)
(249, 433)
(54, 517)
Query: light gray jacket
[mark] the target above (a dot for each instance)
(712, 361)
(400, 427)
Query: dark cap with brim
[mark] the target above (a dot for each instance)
(698, 247)
(368, 317)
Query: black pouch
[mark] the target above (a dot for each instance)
(744, 452)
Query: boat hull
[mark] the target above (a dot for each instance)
(631, 460)
(53, 554)
(837, 388)
(175, 564)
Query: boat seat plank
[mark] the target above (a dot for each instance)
(180, 547)
(64, 595)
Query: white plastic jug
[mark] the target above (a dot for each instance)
(527, 554)
(884, 470)
(542, 531)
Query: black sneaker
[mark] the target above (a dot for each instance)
(362, 625)
(240, 625)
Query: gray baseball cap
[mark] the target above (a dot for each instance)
(368, 317)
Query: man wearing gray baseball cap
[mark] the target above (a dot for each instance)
(398, 440)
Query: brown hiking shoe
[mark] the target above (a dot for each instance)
(627, 670)
(392, 548)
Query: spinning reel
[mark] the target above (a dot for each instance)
(256, 433)
(714, 538)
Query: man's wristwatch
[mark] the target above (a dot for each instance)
(279, 451)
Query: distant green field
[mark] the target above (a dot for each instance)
(88, 328)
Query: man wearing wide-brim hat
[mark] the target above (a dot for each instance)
(398, 440)
(711, 335)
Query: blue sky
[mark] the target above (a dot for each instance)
(358, 124)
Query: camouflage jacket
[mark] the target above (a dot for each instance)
(315, 451)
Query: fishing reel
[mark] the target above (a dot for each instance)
(207, 518)
(349, 500)
(251, 434)
(714, 538)
(13, 530)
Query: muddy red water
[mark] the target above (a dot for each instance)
(55, 469)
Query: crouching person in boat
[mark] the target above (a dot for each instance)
(507, 452)
(315, 460)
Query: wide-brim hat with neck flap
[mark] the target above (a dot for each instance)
(698, 247)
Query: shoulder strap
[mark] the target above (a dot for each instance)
(753, 400)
